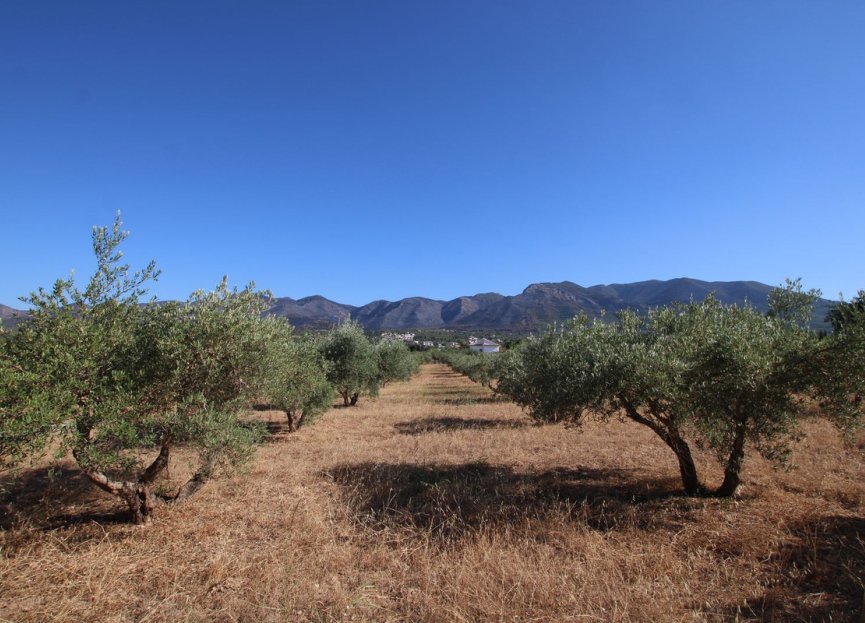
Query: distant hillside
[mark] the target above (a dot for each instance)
(10, 317)
(312, 312)
(538, 305)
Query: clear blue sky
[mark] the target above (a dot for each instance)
(367, 150)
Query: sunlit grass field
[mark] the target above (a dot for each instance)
(438, 502)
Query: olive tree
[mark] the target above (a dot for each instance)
(848, 314)
(844, 364)
(353, 363)
(722, 374)
(297, 380)
(479, 367)
(20, 436)
(211, 358)
(394, 361)
(114, 382)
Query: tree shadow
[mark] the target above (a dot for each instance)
(341, 405)
(275, 431)
(443, 424)
(471, 400)
(458, 397)
(818, 576)
(449, 390)
(444, 373)
(451, 500)
(46, 499)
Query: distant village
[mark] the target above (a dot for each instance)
(481, 345)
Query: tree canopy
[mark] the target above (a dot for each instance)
(848, 314)
(297, 380)
(722, 374)
(353, 364)
(395, 361)
(111, 380)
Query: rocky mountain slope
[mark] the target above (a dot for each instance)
(538, 305)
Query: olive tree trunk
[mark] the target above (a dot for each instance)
(295, 419)
(733, 468)
(139, 496)
(669, 434)
(198, 480)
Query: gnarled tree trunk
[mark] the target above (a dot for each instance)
(733, 468)
(669, 434)
(139, 496)
(687, 469)
(295, 419)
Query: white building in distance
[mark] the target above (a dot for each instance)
(485, 346)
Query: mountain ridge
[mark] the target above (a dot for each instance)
(539, 304)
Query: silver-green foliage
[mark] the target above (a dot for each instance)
(848, 314)
(112, 381)
(353, 362)
(297, 379)
(395, 361)
(722, 374)
(357, 366)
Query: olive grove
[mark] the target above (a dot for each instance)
(357, 366)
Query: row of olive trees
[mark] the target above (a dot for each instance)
(119, 384)
(722, 375)
(479, 367)
(358, 366)
(303, 372)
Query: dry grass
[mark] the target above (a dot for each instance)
(437, 503)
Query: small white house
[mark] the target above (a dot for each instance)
(485, 346)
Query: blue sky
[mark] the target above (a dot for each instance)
(378, 150)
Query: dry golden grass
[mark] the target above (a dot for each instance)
(437, 503)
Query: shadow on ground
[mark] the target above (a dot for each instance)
(46, 499)
(276, 431)
(449, 500)
(443, 424)
(817, 576)
(448, 374)
(471, 400)
(457, 392)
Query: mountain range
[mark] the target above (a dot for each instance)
(538, 305)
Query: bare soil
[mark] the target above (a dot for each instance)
(437, 502)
